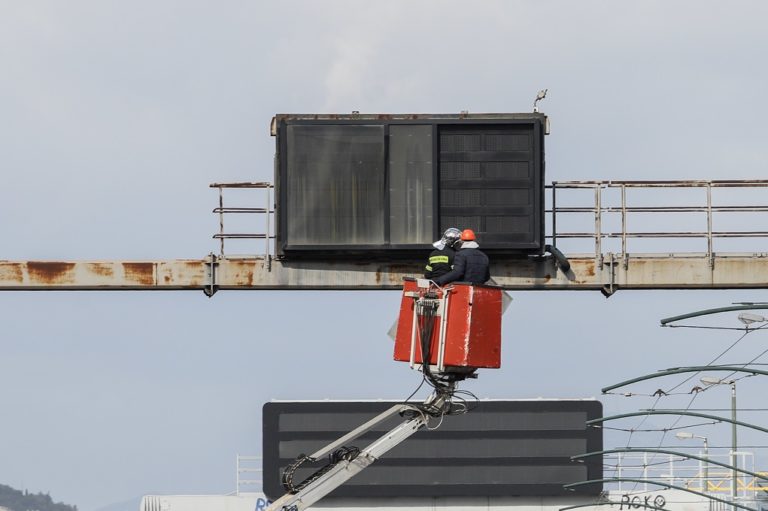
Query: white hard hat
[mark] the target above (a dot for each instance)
(450, 237)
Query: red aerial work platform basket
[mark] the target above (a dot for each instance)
(463, 323)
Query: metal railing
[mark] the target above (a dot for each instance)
(267, 211)
(249, 474)
(609, 206)
(610, 202)
(687, 473)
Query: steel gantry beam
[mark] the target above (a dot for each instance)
(607, 274)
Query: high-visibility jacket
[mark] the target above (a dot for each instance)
(439, 263)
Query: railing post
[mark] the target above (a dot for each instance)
(624, 223)
(710, 253)
(645, 470)
(554, 214)
(237, 475)
(598, 225)
(671, 470)
(266, 230)
(221, 219)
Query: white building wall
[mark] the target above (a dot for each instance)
(671, 500)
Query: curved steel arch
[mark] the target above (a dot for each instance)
(680, 412)
(658, 483)
(706, 312)
(680, 370)
(675, 453)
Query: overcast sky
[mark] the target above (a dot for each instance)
(115, 117)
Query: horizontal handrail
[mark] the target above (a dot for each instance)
(242, 210)
(243, 236)
(663, 209)
(242, 185)
(604, 206)
(718, 183)
(621, 205)
(671, 234)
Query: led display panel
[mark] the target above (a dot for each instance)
(500, 448)
(488, 184)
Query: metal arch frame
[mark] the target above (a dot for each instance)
(682, 412)
(658, 483)
(666, 451)
(680, 370)
(706, 312)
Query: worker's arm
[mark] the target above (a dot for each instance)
(457, 273)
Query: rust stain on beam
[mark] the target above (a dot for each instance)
(101, 269)
(139, 273)
(192, 273)
(11, 272)
(51, 272)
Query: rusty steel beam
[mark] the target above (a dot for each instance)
(684, 271)
(98, 275)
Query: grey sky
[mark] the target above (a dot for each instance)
(115, 117)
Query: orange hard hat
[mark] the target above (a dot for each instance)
(467, 235)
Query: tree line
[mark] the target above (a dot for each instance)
(17, 500)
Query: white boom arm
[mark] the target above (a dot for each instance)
(346, 469)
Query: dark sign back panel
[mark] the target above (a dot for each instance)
(336, 181)
(500, 448)
(391, 184)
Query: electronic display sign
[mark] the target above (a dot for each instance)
(499, 448)
(393, 183)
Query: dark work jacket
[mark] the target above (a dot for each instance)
(470, 265)
(439, 263)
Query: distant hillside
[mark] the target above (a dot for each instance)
(16, 500)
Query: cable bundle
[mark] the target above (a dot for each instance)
(342, 453)
(426, 312)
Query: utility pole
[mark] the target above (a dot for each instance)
(734, 443)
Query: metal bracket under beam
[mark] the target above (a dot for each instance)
(212, 288)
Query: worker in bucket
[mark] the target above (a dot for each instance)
(440, 260)
(469, 264)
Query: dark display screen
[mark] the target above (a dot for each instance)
(388, 185)
(336, 185)
(488, 183)
(500, 448)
